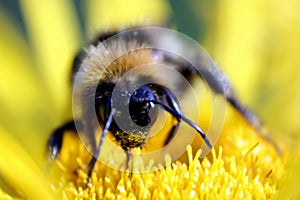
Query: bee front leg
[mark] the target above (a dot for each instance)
(174, 105)
(129, 157)
(98, 149)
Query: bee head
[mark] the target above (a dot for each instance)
(140, 105)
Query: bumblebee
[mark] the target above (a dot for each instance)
(114, 94)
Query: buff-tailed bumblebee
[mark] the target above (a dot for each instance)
(127, 110)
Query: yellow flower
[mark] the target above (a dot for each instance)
(35, 95)
(243, 166)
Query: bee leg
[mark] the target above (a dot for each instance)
(129, 156)
(175, 111)
(254, 121)
(251, 118)
(174, 105)
(56, 139)
(97, 152)
(171, 133)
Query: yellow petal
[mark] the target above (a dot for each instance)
(236, 48)
(20, 172)
(23, 101)
(54, 36)
(257, 42)
(280, 78)
(116, 13)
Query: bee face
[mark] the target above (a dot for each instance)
(140, 105)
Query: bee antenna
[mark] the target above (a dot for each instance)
(180, 116)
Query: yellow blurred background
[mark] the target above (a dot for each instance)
(255, 42)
